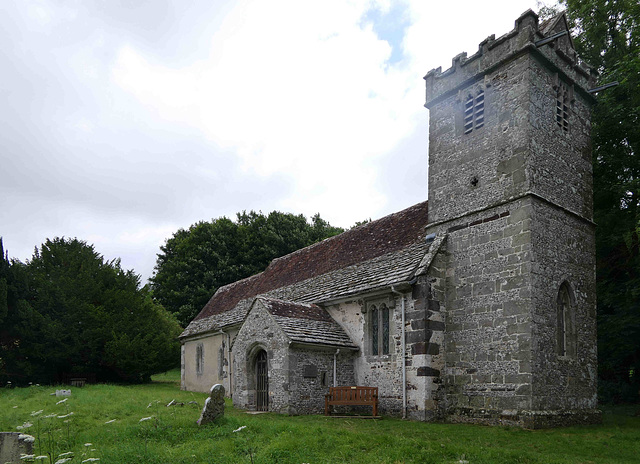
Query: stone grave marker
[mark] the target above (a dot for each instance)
(213, 406)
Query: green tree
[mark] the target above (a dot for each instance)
(608, 37)
(70, 311)
(4, 271)
(194, 263)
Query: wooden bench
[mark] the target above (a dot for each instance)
(351, 396)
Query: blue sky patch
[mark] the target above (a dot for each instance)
(389, 26)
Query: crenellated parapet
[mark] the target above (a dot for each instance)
(526, 37)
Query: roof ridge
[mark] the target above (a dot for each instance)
(238, 282)
(343, 234)
(281, 300)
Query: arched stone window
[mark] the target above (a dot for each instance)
(565, 327)
(199, 359)
(379, 329)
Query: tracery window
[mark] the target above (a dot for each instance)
(474, 112)
(379, 332)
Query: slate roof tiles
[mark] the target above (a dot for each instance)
(306, 323)
(370, 256)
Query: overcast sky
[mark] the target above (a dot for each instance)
(122, 121)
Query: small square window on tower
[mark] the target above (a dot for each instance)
(474, 112)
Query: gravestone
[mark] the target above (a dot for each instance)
(12, 445)
(213, 406)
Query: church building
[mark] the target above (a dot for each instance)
(476, 306)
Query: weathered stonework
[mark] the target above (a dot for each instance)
(517, 233)
(298, 373)
(213, 406)
(476, 307)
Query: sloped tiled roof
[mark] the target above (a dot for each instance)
(376, 273)
(306, 323)
(373, 255)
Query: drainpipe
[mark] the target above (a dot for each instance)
(230, 362)
(404, 358)
(335, 368)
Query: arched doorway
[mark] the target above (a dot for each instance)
(262, 382)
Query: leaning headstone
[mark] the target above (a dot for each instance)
(213, 406)
(13, 445)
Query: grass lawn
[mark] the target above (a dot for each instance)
(107, 419)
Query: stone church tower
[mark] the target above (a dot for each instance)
(510, 187)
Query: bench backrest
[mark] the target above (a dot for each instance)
(353, 395)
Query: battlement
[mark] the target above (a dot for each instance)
(526, 37)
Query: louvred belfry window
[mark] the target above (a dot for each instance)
(562, 106)
(474, 112)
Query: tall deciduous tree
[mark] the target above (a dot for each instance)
(70, 311)
(608, 37)
(194, 263)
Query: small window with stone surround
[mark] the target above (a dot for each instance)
(474, 112)
(566, 338)
(199, 359)
(379, 330)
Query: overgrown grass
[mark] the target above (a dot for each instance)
(171, 435)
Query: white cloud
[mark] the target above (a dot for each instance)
(127, 123)
(312, 97)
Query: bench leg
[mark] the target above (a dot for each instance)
(375, 408)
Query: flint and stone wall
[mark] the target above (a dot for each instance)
(260, 332)
(424, 336)
(299, 375)
(382, 371)
(487, 342)
(564, 251)
(311, 375)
